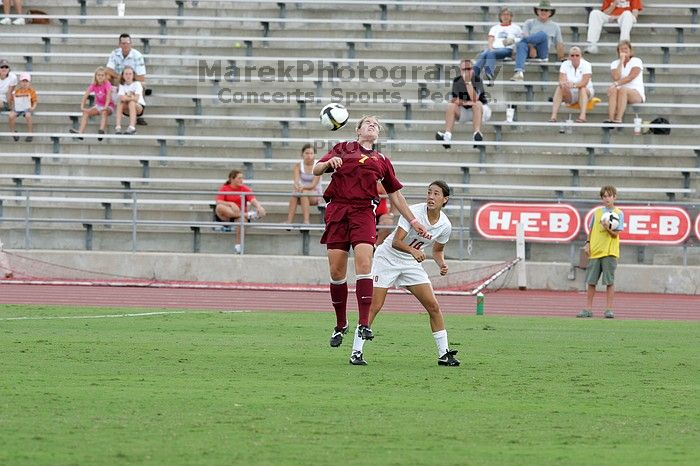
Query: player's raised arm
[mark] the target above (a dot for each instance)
(329, 165)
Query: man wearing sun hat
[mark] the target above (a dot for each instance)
(539, 34)
(8, 81)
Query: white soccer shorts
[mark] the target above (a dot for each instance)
(387, 274)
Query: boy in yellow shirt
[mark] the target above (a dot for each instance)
(603, 247)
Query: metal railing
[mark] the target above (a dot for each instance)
(97, 208)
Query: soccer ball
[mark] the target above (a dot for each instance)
(334, 116)
(612, 218)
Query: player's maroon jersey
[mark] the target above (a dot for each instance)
(357, 178)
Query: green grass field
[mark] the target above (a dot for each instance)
(202, 388)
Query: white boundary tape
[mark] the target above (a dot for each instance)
(110, 316)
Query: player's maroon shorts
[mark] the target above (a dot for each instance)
(349, 224)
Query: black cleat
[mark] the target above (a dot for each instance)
(448, 359)
(356, 359)
(337, 336)
(365, 332)
(478, 137)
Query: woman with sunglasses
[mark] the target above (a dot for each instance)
(8, 82)
(575, 85)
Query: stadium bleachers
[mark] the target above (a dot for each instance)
(194, 137)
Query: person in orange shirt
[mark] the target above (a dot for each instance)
(24, 102)
(624, 12)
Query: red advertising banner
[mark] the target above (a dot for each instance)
(651, 224)
(543, 222)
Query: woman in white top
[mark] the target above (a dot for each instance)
(8, 82)
(130, 97)
(501, 42)
(575, 85)
(305, 182)
(628, 82)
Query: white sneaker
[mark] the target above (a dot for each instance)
(592, 49)
(237, 248)
(445, 137)
(5, 21)
(19, 22)
(518, 76)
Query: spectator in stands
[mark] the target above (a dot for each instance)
(8, 82)
(229, 207)
(130, 97)
(628, 82)
(6, 5)
(468, 102)
(538, 36)
(502, 38)
(24, 101)
(102, 89)
(122, 57)
(575, 85)
(624, 12)
(305, 182)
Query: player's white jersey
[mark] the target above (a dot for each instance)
(440, 232)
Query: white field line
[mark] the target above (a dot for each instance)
(108, 316)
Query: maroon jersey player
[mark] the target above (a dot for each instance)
(352, 196)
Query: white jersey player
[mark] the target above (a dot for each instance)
(397, 263)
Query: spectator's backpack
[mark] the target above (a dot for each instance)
(660, 121)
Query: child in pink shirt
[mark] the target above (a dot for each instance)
(102, 89)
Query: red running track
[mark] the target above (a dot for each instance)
(504, 302)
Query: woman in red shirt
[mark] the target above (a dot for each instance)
(228, 206)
